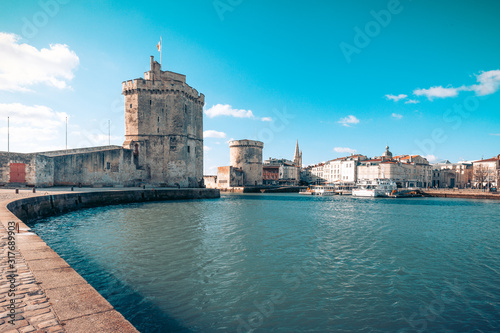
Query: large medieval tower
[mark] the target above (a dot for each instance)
(164, 127)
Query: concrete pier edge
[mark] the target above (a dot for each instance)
(50, 295)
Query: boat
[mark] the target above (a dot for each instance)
(319, 190)
(380, 187)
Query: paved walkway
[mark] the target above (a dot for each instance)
(32, 309)
(49, 296)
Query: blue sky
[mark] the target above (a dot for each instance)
(339, 76)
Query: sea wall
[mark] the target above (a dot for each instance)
(464, 194)
(38, 207)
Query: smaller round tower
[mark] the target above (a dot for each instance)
(247, 156)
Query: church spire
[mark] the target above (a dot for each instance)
(297, 158)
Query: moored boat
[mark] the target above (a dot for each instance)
(380, 187)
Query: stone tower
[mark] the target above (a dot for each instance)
(297, 158)
(164, 127)
(247, 155)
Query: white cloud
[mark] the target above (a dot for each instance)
(348, 121)
(396, 98)
(495, 134)
(227, 110)
(397, 116)
(32, 116)
(344, 150)
(431, 158)
(266, 119)
(85, 138)
(489, 82)
(214, 134)
(32, 128)
(207, 148)
(412, 101)
(23, 65)
(437, 92)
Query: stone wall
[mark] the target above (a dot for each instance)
(39, 170)
(247, 155)
(106, 168)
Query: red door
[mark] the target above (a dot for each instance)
(18, 173)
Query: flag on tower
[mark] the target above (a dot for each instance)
(159, 47)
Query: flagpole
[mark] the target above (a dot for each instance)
(161, 49)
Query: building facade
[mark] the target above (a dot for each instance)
(405, 170)
(486, 172)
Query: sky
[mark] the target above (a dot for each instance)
(340, 77)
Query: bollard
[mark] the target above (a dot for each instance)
(72, 189)
(17, 191)
(34, 190)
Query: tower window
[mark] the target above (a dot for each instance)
(149, 102)
(189, 149)
(157, 130)
(158, 119)
(108, 165)
(185, 108)
(131, 106)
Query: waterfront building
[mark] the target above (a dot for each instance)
(343, 169)
(289, 172)
(314, 174)
(163, 142)
(405, 170)
(270, 174)
(486, 172)
(450, 175)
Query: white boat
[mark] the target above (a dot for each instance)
(319, 190)
(380, 187)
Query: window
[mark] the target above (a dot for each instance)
(131, 106)
(158, 130)
(108, 165)
(172, 148)
(189, 149)
(149, 102)
(158, 119)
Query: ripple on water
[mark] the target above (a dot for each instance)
(284, 263)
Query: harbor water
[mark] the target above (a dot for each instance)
(290, 263)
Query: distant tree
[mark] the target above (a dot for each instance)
(481, 173)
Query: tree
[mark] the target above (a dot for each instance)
(480, 174)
